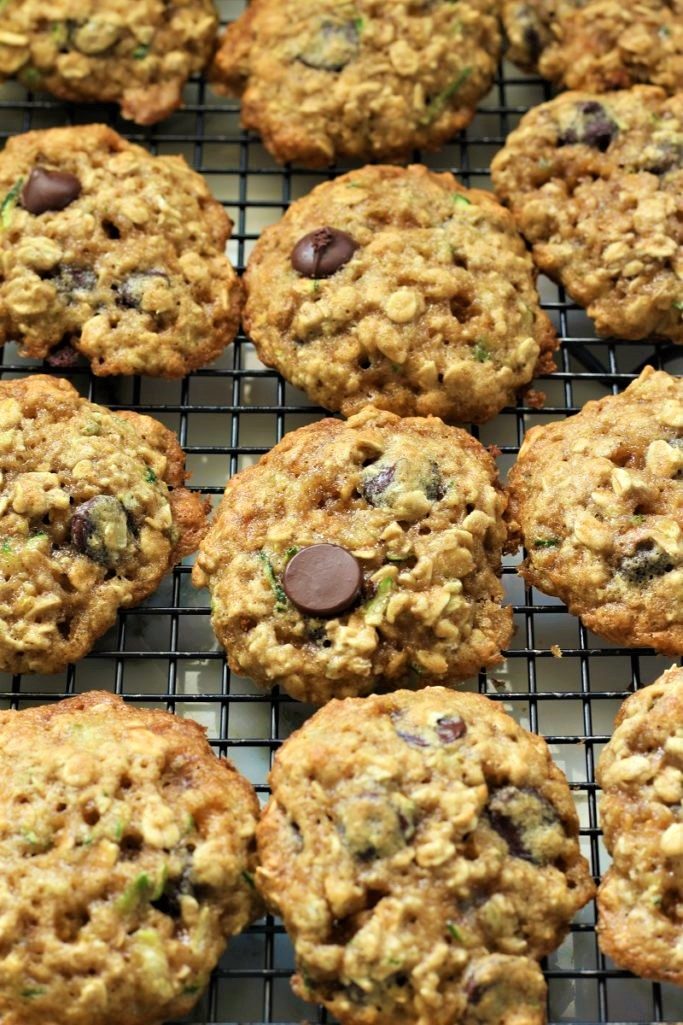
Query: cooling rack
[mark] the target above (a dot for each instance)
(163, 654)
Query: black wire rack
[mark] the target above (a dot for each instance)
(163, 654)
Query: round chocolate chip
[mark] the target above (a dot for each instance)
(322, 580)
(49, 190)
(322, 252)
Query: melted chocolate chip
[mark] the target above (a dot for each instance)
(322, 252)
(99, 529)
(532, 42)
(63, 357)
(322, 580)
(434, 487)
(333, 46)
(372, 489)
(131, 290)
(49, 190)
(647, 562)
(450, 728)
(520, 815)
(73, 283)
(413, 739)
(594, 127)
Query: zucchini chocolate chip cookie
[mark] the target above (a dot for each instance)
(93, 513)
(138, 55)
(596, 185)
(640, 900)
(126, 859)
(422, 850)
(360, 556)
(323, 79)
(598, 44)
(598, 499)
(400, 288)
(108, 251)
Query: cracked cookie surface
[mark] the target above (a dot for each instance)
(598, 44)
(110, 252)
(137, 55)
(323, 79)
(640, 899)
(422, 850)
(595, 185)
(419, 508)
(598, 499)
(127, 852)
(433, 311)
(93, 513)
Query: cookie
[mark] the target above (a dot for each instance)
(127, 859)
(598, 499)
(360, 555)
(110, 252)
(87, 50)
(598, 44)
(596, 186)
(640, 922)
(93, 513)
(422, 850)
(400, 288)
(322, 80)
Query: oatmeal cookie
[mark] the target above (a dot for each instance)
(596, 185)
(93, 513)
(422, 850)
(598, 44)
(360, 555)
(126, 859)
(137, 55)
(108, 251)
(400, 288)
(640, 900)
(328, 79)
(598, 499)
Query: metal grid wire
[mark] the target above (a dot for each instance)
(163, 654)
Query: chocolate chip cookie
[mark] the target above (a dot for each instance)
(108, 251)
(640, 900)
(323, 80)
(93, 513)
(598, 499)
(422, 850)
(596, 185)
(127, 853)
(400, 288)
(358, 556)
(598, 44)
(139, 55)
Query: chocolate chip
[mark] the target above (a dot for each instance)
(73, 282)
(49, 190)
(372, 489)
(521, 816)
(322, 580)
(412, 739)
(667, 157)
(63, 357)
(450, 728)
(131, 291)
(532, 42)
(333, 46)
(322, 252)
(647, 562)
(99, 529)
(434, 487)
(595, 127)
